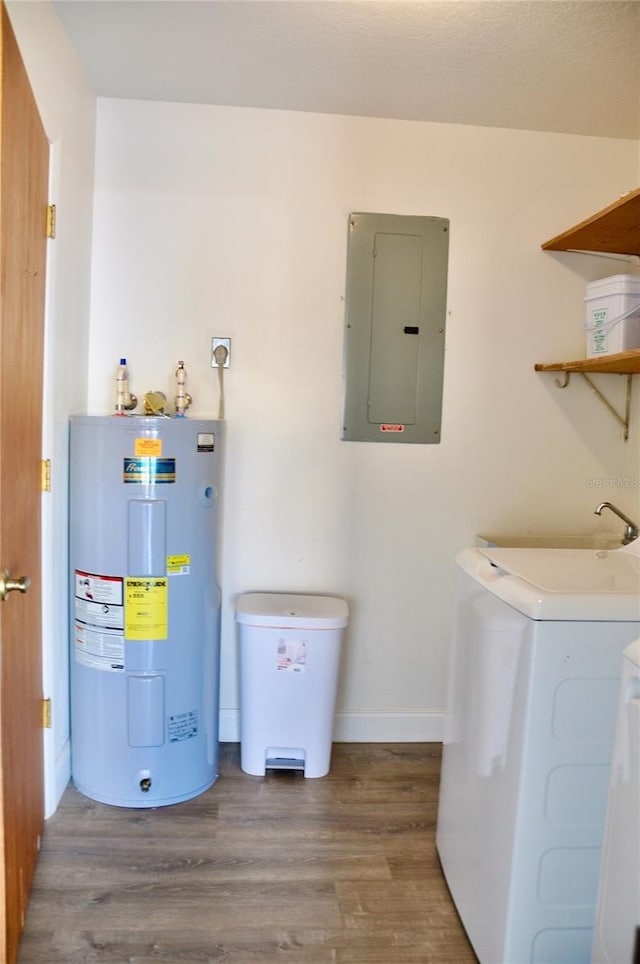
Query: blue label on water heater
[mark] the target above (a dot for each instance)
(147, 470)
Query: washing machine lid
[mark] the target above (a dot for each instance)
(291, 611)
(576, 584)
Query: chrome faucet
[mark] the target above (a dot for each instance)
(631, 531)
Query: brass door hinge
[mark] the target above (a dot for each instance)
(46, 714)
(51, 220)
(45, 475)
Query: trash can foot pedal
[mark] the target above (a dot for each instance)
(284, 763)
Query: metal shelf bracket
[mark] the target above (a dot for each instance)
(622, 420)
(565, 382)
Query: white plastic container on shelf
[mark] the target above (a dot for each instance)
(613, 315)
(289, 661)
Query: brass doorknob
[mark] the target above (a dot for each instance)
(8, 585)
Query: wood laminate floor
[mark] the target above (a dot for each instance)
(277, 868)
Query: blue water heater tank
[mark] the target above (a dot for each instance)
(145, 607)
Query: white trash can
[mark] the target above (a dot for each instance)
(289, 661)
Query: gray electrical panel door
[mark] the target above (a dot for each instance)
(394, 327)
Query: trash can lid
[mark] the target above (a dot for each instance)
(291, 610)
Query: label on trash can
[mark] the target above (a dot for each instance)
(292, 655)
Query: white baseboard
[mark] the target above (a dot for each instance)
(57, 775)
(382, 726)
(385, 726)
(229, 726)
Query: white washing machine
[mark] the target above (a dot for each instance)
(533, 684)
(618, 908)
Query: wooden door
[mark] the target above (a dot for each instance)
(24, 162)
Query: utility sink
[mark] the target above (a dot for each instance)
(572, 570)
(578, 584)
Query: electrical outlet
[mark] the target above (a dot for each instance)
(226, 342)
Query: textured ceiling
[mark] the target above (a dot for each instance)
(570, 66)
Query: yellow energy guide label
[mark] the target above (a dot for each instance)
(178, 565)
(145, 608)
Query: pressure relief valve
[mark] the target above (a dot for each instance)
(183, 399)
(125, 401)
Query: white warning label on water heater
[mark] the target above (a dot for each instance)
(292, 655)
(103, 615)
(100, 589)
(98, 636)
(99, 650)
(206, 442)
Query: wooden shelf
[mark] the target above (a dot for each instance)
(624, 363)
(614, 230)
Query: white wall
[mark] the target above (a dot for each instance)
(67, 107)
(218, 221)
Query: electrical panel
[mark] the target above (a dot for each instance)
(395, 309)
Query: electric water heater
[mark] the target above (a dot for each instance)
(145, 607)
